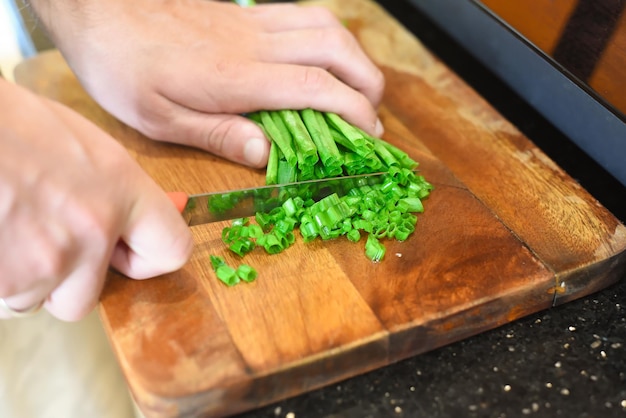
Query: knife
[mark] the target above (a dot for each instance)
(204, 208)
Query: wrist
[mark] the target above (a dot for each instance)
(68, 21)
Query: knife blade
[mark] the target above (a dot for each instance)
(204, 208)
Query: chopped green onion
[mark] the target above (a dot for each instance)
(402, 233)
(264, 220)
(227, 274)
(240, 222)
(271, 243)
(374, 250)
(410, 204)
(216, 261)
(289, 207)
(246, 273)
(309, 231)
(242, 246)
(308, 144)
(354, 235)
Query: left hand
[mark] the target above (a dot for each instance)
(183, 70)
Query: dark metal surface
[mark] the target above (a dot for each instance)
(569, 104)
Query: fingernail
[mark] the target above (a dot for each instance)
(254, 152)
(378, 128)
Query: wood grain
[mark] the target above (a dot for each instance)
(505, 233)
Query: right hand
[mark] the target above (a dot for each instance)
(73, 202)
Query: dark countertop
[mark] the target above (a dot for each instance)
(568, 361)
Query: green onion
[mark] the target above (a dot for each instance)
(264, 220)
(242, 246)
(271, 173)
(374, 250)
(271, 243)
(246, 273)
(309, 144)
(227, 274)
(216, 261)
(322, 138)
(402, 233)
(359, 142)
(279, 134)
(309, 231)
(354, 235)
(410, 204)
(306, 149)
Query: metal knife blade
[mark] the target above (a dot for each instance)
(220, 206)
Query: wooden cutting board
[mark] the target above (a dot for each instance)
(505, 233)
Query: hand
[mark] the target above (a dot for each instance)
(181, 71)
(72, 201)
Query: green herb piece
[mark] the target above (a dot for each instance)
(410, 204)
(309, 231)
(227, 274)
(240, 221)
(306, 149)
(359, 142)
(321, 136)
(354, 235)
(271, 243)
(264, 220)
(383, 153)
(279, 134)
(374, 250)
(271, 173)
(286, 173)
(246, 273)
(216, 261)
(245, 3)
(241, 246)
(308, 144)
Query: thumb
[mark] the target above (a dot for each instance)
(233, 137)
(155, 240)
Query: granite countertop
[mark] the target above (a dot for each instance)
(567, 361)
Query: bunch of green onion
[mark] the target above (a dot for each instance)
(309, 144)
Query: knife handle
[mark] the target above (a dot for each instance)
(179, 199)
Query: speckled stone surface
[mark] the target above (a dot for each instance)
(568, 361)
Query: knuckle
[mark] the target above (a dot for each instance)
(321, 15)
(227, 68)
(95, 227)
(53, 261)
(314, 79)
(337, 39)
(216, 138)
